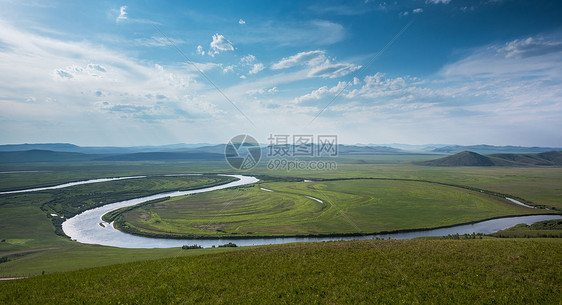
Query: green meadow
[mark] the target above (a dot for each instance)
(481, 271)
(346, 207)
(31, 247)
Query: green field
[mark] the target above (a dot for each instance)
(348, 207)
(28, 233)
(31, 245)
(496, 271)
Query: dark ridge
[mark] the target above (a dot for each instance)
(38, 155)
(468, 158)
(492, 149)
(156, 156)
(465, 158)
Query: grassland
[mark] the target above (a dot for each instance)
(33, 247)
(484, 271)
(347, 207)
(28, 233)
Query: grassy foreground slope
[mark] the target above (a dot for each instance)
(390, 271)
(347, 207)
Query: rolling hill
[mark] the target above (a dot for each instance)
(161, 156)
(469, 158)
(38, 155)
(492, 149)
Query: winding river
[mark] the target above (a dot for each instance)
(88, 227)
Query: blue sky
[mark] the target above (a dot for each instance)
(417, 72)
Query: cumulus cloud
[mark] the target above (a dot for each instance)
(241, 21)
(228, 69)
(262, 91)
(248, 59)
(200, 50)
(89, 71)
(257, 68)
(417, 10)
(321, 92)
(438, 1)
(220, 44)
(122, 14)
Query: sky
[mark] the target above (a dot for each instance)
(127, 73)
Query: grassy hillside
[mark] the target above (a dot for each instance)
(492, 149)
(369, 272)
(469, 158)
(465, 158)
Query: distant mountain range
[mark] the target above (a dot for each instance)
(58, 152)
(67, 147)
(469, 158)
(490, 149)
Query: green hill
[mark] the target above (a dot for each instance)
(469, 158)
(492, 149)
(465, 158)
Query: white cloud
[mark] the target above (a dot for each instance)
(257, 68)
(302, 58)
(321, 92)
(262, 91)
(438, 1)
(157, 41)
(70, 82)
(317, 64)
(241, 21)
(220, 44)
(248, 59)
(417, 10)
(329, 69)
(122, 14)
(228, 69)
(200, 50)
(528, 47)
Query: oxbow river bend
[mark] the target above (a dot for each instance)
(86, 228)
